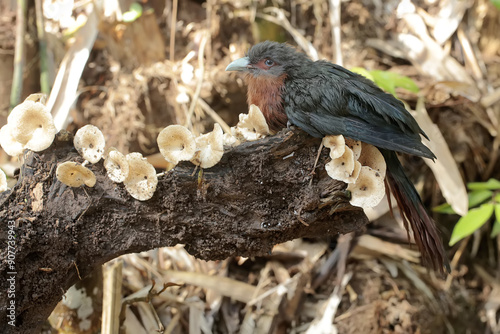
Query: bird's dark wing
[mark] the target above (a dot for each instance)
(337, 101)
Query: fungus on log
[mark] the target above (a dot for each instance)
(258, 195)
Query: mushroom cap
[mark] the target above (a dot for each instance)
(355, 173)
(31, 124)
(230, 140)
(74, 174)
(369, 188)
(343, 167)
(141, 181)
(3, 181)
(371, 157)
(176, 144)
(116, 165)
(9, 144)
(355, 146)
(251, 126)
(89, 142)
(336, 144)
(209, 148)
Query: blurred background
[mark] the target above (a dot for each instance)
(132, 68)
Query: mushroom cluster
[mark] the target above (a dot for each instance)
(177, 143)
(138, 175)
(29, 126)
(89, 142)
(360, 165)
(251, 126)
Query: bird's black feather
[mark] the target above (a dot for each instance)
(326, 99)
(337, 101)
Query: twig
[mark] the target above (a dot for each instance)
(173, 24)
(335, 22)
(196, 95)
(454, 262)
(206, 108)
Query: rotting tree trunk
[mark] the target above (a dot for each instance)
(257, 196)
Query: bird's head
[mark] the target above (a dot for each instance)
(269, 59)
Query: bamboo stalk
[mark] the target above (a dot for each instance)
(42, 49)
(112, 298)
(19, 55)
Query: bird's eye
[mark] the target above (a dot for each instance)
(269, 62)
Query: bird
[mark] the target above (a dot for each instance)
(323, 98)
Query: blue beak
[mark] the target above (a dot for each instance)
(241, 64)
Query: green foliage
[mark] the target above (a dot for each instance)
(496, 3)
(134, 12)
(469, 223)
(476, 197)
(387, 80)
(496, 226)
(491, 184)
(484, 203)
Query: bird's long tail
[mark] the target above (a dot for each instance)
(415, 215)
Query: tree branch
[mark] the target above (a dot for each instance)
(257, 196)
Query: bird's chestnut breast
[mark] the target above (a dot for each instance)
(266, 93)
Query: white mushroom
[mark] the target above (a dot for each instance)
(355, 146)
(176, 144)
(142, 180)
(31, 125)
(74, 174)
(230, 140)
(355, 173)
(89, 142)
(3, 181)
(342, 168)
(368, 190)
(116, 166)
(371, 157)
(9, 143)
(336, 144)
(252, 126)
(209, 148)
(37, 97)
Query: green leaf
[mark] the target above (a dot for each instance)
(469, 223)
(496, 229)
(389, 81)
(475, 198)
(444, 208)
(478, 196)
(134, 12)
(491, 184)
(496, 226)
(362, 71)
(497, 198)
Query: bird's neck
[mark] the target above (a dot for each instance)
(265, 92)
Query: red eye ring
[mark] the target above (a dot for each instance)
(269, 62)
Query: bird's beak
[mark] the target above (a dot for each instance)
(241, 64)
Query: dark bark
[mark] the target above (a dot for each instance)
(257, 196)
